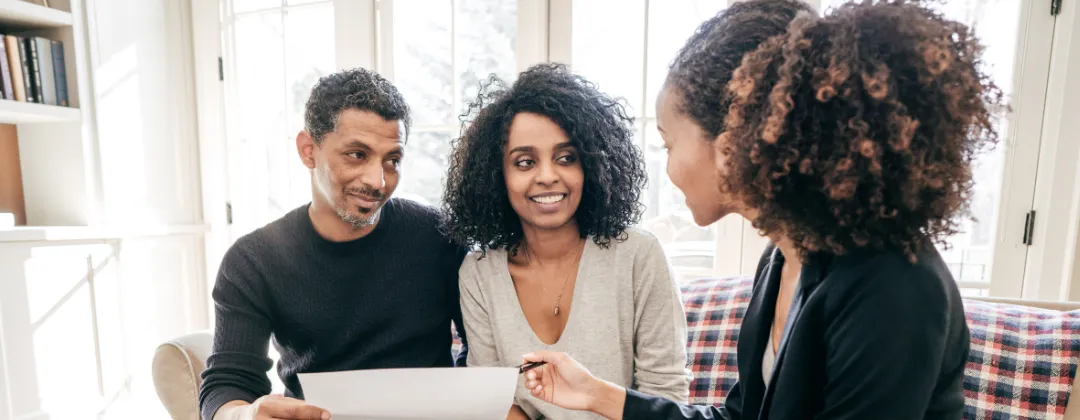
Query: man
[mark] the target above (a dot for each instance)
(353, 280)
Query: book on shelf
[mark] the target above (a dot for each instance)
(43, 50)
(11, 44)
(24, 62)
(61, 73)
(34, 64)
(33, 70)
(5, 73)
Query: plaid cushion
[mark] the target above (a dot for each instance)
(1021, 365)
(1022, 361)
(714, 313)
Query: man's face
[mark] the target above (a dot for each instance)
(355, 168)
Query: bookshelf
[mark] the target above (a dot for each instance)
(55, 142)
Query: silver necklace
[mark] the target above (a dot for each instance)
(558, 298)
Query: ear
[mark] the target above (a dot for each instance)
(720, 151)
(305, 147)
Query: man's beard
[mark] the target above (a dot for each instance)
(362, 221)
(367, 217)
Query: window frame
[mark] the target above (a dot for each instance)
(530, 47)
(738, 244)
(1037, 150)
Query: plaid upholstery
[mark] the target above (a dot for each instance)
(714, 313)
(1022, 361)
(455, 344)
(1021, 365)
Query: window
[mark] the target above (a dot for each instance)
(625, 47)
(441, 52)
(274, 52)
(971, 254)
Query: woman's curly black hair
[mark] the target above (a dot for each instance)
(858, 129)
(703, 67)
(477, 210)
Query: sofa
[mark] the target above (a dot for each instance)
(1022, 363)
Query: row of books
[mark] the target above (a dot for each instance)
(33, 70)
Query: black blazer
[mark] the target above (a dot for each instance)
(869, 336)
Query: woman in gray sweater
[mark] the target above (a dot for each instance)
(544, 184)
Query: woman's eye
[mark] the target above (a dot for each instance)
(566, 159)
(524, 163)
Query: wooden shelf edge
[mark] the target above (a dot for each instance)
(84, 233)
(25, 15)
(16, 112)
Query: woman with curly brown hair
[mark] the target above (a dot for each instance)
(545, 184)
(848, 140)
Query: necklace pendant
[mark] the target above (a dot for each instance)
(556, 308)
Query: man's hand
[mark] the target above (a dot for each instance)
(271, 407)
(567, 384)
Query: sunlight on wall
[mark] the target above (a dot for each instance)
(120, 130)
(94, 323)
(62, 329)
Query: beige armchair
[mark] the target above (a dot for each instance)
(177, 370)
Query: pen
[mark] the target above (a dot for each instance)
(529, 366)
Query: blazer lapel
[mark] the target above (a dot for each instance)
(811, 275)
(754, 333)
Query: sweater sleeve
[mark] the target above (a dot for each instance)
(647, 407)
(660, 366)
(238, 363)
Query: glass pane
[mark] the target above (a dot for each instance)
(670, 24)
(241, 6)
(485, 33)
(309, 55)
(686, 244)
(422, 59)
(423, 170)
(276, 57)
(259, 55)
(298, 2)
(608, 47)
(690, 247)
(438, 78)
(256, 113)
(996, 23)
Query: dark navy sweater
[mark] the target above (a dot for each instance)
(383, 301)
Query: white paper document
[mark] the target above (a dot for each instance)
(413, 394)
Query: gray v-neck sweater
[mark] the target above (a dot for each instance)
(626, 323)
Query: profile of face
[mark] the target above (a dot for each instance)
(543, 173)
(354, 169)
(693, 163)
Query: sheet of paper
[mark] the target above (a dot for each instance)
(413, 394)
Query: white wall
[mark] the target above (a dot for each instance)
(80, 319)
(144, 92)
